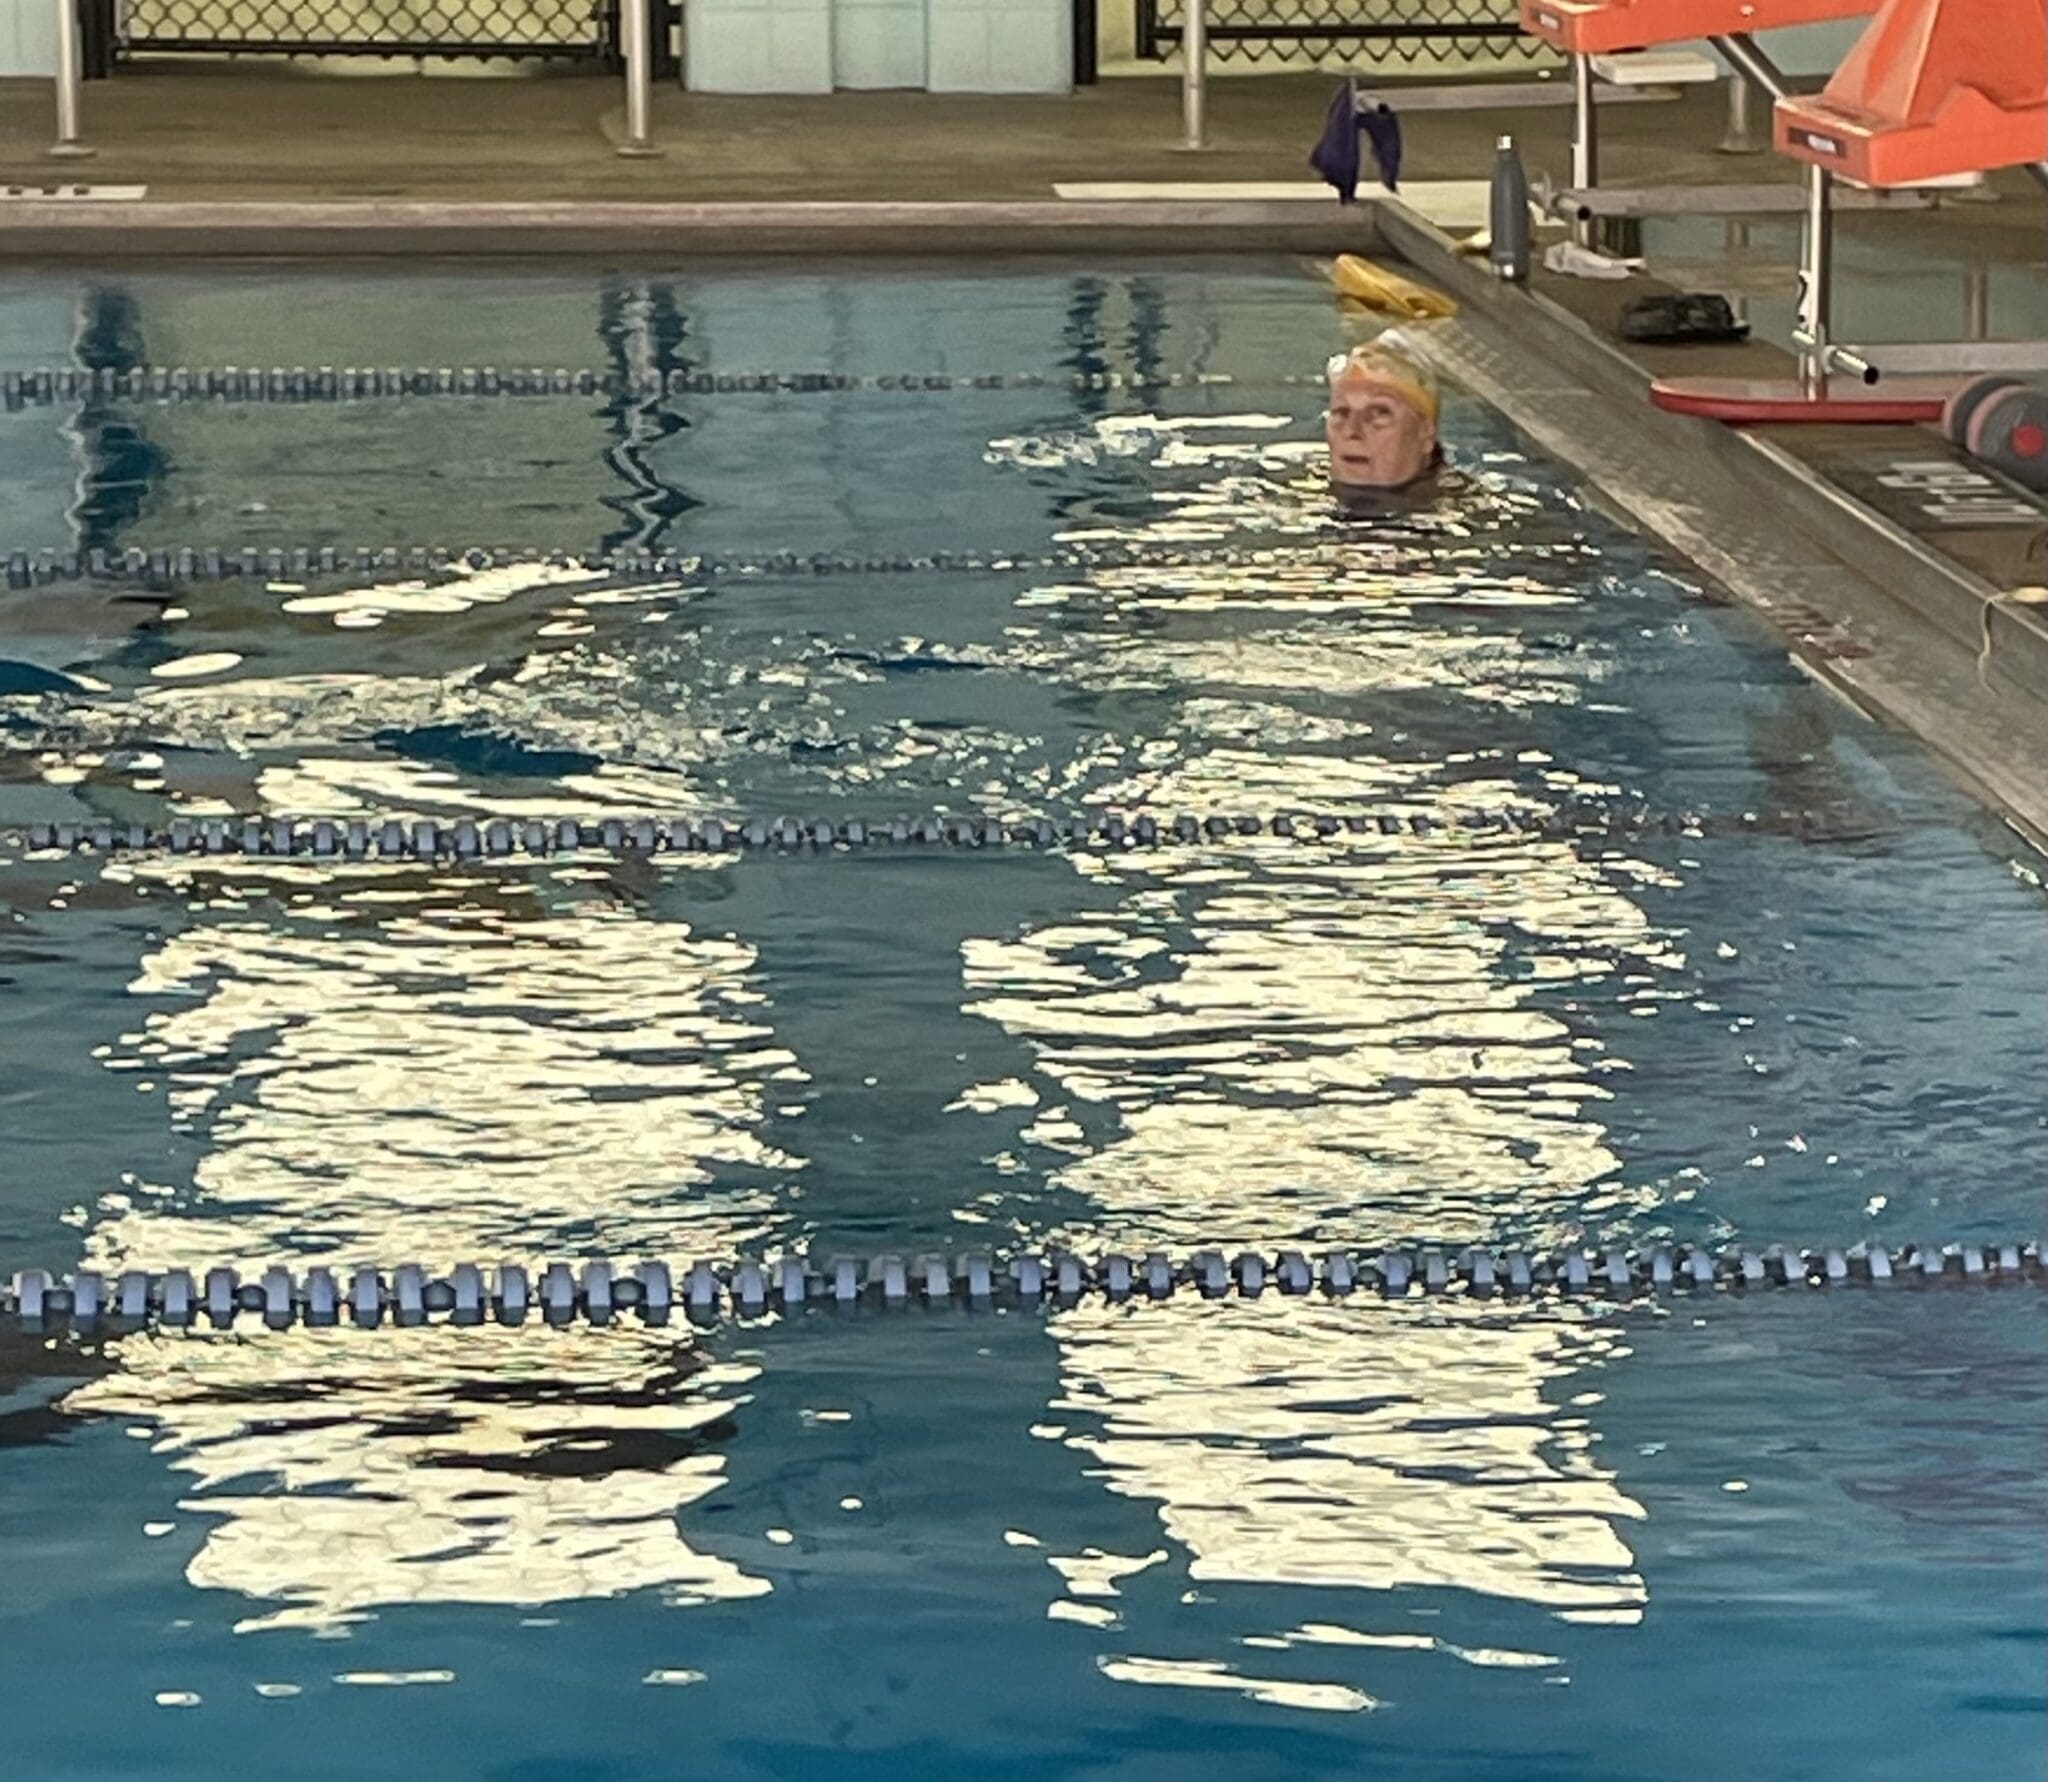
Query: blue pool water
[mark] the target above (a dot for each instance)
(1792, 1535)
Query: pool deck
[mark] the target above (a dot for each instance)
(1939, 627)
(271, 130)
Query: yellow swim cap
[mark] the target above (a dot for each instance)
(1382, 365)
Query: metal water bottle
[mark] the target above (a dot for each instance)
(1508, 212)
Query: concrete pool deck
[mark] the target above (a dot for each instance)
(274, 130)
(1940, 628)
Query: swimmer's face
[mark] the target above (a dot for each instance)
(1377, 439)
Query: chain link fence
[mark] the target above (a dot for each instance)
(1423, 35)
(559, 29)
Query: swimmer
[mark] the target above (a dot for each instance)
(1381, 424)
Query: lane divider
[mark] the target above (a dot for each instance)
(470, 838)
(43, 386)
(193, 564)
(600, 1291)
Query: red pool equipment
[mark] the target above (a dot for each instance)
(1604, 27)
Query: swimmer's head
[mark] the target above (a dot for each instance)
(1381, 425)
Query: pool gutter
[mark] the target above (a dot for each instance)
(1901, 633)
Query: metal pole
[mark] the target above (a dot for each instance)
(1194, 76)
(1813, 325)
(1735, 250)
(1816, 282)
(636, 33)
(1977, 298)
(1741, 54)
(1813, 332)
(70, 72)
(1739, 138)
(1585, 144)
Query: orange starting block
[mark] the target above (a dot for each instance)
(1615, 31)
(1603, 27)
(1933, 88)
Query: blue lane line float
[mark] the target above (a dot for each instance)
(47, 386)
(427, 839)
(600, 1291)
(195, 565)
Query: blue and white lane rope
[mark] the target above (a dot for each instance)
(469, 838)
(45, 386)
(369, 564)
(560, 1292)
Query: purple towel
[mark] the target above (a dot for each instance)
(1383, 130)
(1335, 155)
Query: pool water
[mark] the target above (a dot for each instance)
(1788, 1535)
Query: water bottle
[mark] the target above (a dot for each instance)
(1508, 212)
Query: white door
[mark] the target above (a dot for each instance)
(1001, 46)
(878, 43)
(758, 46)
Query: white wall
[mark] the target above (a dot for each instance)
(28, 37)
(758, 46)
(878, 44)
(1001, 46)
(813, 46)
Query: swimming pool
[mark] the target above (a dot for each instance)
(1731, 1535)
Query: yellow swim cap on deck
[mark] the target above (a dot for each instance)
(1382, 365)
(1377, 288)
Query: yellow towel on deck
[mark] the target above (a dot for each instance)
(1388, 292)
